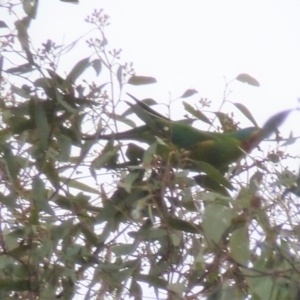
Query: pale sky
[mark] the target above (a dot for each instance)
(194, 44)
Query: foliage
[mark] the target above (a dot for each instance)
(77, 219)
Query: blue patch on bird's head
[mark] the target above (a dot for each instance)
(245, 133)
(247, 137)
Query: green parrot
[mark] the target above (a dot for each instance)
(194, 145)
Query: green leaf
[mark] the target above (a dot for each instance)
(189, 93)
(51, 173)
(178, 287)
(213, 173)
(152, 280)
(70, 135)
(10, 162)
(78, 69)
(216, 219)
(245, 111)
(42, 124)
(123, 249)
(131, 110)
(198, 114)
(15, 285)
(19, 125)
(72, 183)
(65, 144)
(24, 93)
(30, 8)
(263, 286)
(148, 155)
(141, 80)
(239, 246)
(123, 119)
(157, 233)
(136, 290)
(208, 183)
(90, 235)
(67, 106)
(9, 201)
(182, 225)
(109, 154)
(142, 111)
(39, 195)
(127, 182)
(230, 292)
(246, 78)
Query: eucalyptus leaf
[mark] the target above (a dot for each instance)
(246, 78)
(141, 80)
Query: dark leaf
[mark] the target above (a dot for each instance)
(209, 184)
(189, 93)
(147, 101)
(120, 75)
(70, 1)
(273, 123)
(39, 195)
(8, 284)
(96, 64)
(3, 24)
(21, 92)
(90, 235)
(10, 162)
(290, 140)
(246, 112)
(213, 173)
(123, 249)
(19, 125)
(51, 173)
(61, 83)
(21, 69)
(182, 225)
(198, 114)
(22, 26)
(78, 69)
(42, 124)
(72, 183)
(108, 156)
(152, 280)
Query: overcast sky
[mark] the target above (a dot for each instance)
(193, 44)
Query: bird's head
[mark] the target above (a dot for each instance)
(248, 137)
